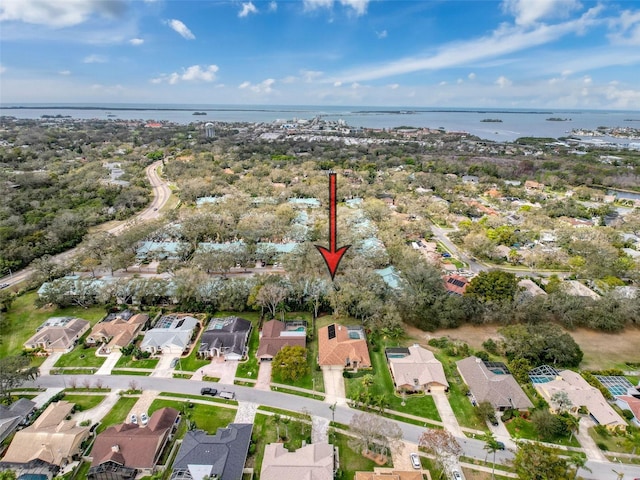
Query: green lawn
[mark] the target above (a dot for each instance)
(80, 357)
(206, 417)
(84, 402)
(419, 405)
(118, 413)
(192, 362)
(127, 361)
(623, 442)
(23, 318)
(521, 428)
(350, 460)
(249, 368)
(265, 431)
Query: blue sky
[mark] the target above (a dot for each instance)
(509, 53)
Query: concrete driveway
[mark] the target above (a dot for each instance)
(163, 369)
(219, 368)
(109, 363)
(400, 455)
(264, 376)
(446, 413)
(334, 386)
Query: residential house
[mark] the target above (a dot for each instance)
(581, 394)
(51, 439)
(455, 284)
(627, 402)
(577, 289)
(221, 456)
(492, 382)
(532, 185)
(342, 347)
(316, 461)
(389, 474)
(117, 331)
(416, 369)
(15, 414)
(225, 337)
(530, 287)
(60, 336)
(171, 334)
(276, 334)
(128, 449)
(470, 179)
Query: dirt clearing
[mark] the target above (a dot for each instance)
(601, 350)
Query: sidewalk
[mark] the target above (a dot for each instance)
(98, 412)
(587, 443)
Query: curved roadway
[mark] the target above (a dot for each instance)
(161, 193)
(471, 447)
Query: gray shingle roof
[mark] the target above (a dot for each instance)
(223, 454)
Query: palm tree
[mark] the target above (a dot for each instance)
(492, 446)
(579, 462)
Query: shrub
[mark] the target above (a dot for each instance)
(441, 342)
(602, 446)
(628, 414)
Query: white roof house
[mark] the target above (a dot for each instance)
(171, 334)
(311, 462)
(417, 370)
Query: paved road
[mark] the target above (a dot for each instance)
(472, 447)
(161, 193)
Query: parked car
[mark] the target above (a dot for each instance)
(227, 395)
(174, 362)
(500, 445)
(133, 418)
(456, 475)
(208, 391)
(144, 419)
(415, 460)
(446, 255)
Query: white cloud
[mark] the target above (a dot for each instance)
(503, 81)
(505, 40)
(247, 8)
(382, 34)
(626, 29)
(64, 72)
(194, 73)
(263, 87)
(273, 6)
(3, 69)
(310, 75)
(587, 80)
(442, 83)
(394, 86)
(459, 81)
(472, 76)
(337, 84)
(136, 41)
(95, 58)
(57, 13)
(359, 7)
(181, 28)
(355, 85)
(528, 12)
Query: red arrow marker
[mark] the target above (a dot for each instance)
(332, 256)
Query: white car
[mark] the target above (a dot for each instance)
(415, 460)
(144, 419)
(133, 418)
(456, 475)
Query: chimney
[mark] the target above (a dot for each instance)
(115, 448)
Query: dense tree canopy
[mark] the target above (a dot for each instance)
(541, 344)
(290, 363)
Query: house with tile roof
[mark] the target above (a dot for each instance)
(117, 331)
(343, 347)
(220, 456)
(416, 369)
(51, 439)
(492, 382)
(627, 402)
(128, 449)
(58, 337)
(455, 284)
(14, 415)
(171, 334)
(226, 337)
(276, 334)
(581, 394)
(316, 461)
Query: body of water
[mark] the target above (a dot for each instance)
(514, 123)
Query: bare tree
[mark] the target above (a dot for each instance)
(99, 383)
(270, 296)
(373, 432)
(441, 444)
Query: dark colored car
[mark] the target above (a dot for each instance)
(500, 445)
(208, 391)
